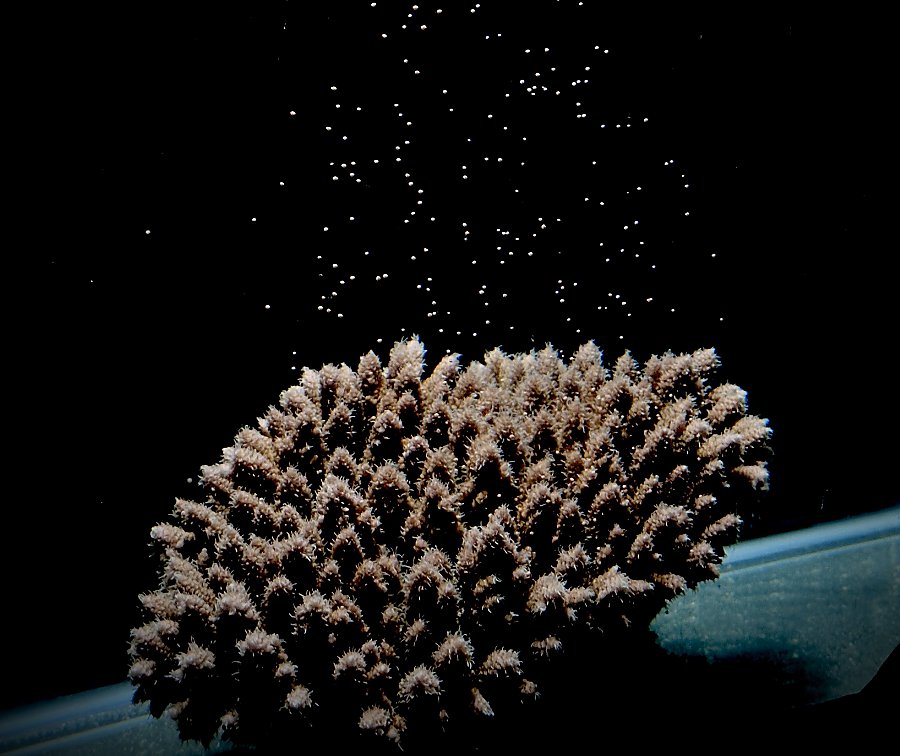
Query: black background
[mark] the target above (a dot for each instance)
(132, 359)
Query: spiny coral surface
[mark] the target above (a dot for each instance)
(400, 551)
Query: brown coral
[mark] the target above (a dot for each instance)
(393, 550)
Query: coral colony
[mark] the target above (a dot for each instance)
(403, 552)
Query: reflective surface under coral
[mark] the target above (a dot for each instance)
(798, 623)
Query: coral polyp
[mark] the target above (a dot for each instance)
(400, 551)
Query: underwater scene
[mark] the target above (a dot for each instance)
(444, 377)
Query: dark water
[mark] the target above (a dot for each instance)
(650, 183)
